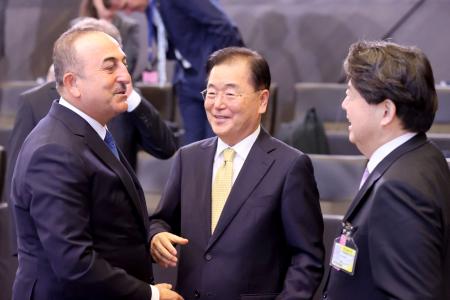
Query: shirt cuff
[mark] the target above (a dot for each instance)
(155, 292)
(133, 101)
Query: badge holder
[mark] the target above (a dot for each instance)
(343, 257)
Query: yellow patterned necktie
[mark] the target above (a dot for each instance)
(222, 186)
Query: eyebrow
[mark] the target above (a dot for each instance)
(228, 85)
(110, 59)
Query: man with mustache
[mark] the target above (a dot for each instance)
(81, 217)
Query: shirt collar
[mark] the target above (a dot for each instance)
(99, 128)
(242, 148)
(387, 148)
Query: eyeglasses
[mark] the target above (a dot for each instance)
(212, 95)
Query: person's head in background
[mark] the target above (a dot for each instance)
(390, 92)
(99, 9)
(90, 23)
(91, 72)
(128, 5)
(236, 93)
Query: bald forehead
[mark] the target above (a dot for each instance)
(94, 38)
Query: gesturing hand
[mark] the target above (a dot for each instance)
(163, 250)
(166, 293)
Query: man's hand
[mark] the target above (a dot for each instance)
(166, 293)
(163, 250)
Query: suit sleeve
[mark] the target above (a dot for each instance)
(303, 228)
(155, 136)
(58, 184)
(24, 123)
(405, 241)
(167, 215)
(208, 14)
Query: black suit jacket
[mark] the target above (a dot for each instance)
(402, 220)
(81, 216)
(141, 128)
(268, 241)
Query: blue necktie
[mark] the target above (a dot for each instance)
(109, 140)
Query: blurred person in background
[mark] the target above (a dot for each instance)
(194, 29)
(134, 48)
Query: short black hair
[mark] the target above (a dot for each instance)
(381, 70)
(259, 68)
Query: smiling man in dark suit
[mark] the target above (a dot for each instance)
(81, 216)
(396, 240)
(140, 127)
(243, 205)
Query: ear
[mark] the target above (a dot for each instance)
(71, 84)
(263, 101)
(389, 112)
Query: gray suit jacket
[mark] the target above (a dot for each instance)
(268, 241)
(401, 217)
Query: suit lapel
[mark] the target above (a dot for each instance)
(81, 128)
(95, 143)
(255, 167)
(380, 169)
(204, 170)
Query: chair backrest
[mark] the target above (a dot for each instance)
(162, 98)
(338, 176)
(9, 95)
(2, 167)
(8, 263)
(269, 118)
(325, 97)
(339, 143)
(442, 141)
(152, 174)
(443, 112)
(332, 227)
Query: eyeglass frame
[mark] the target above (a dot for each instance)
(204, 94)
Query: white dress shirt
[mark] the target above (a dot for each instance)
(387, 148)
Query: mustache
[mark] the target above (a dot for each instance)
(120, 89)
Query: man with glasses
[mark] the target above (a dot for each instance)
(243, 206)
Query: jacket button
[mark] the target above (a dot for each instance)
(208, 257)
(196, 294)
(325, 295)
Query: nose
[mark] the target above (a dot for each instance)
(344, 103)
(124, 76)
(219, 101)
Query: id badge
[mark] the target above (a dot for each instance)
(345, 252)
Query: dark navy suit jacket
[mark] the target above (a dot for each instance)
(141, 128)
(402, 220)
(81, 216)
(196, 28)
(268, 241)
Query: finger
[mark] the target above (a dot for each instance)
(164, 286)
(162, 260)
(178, 239)
(167, 246)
